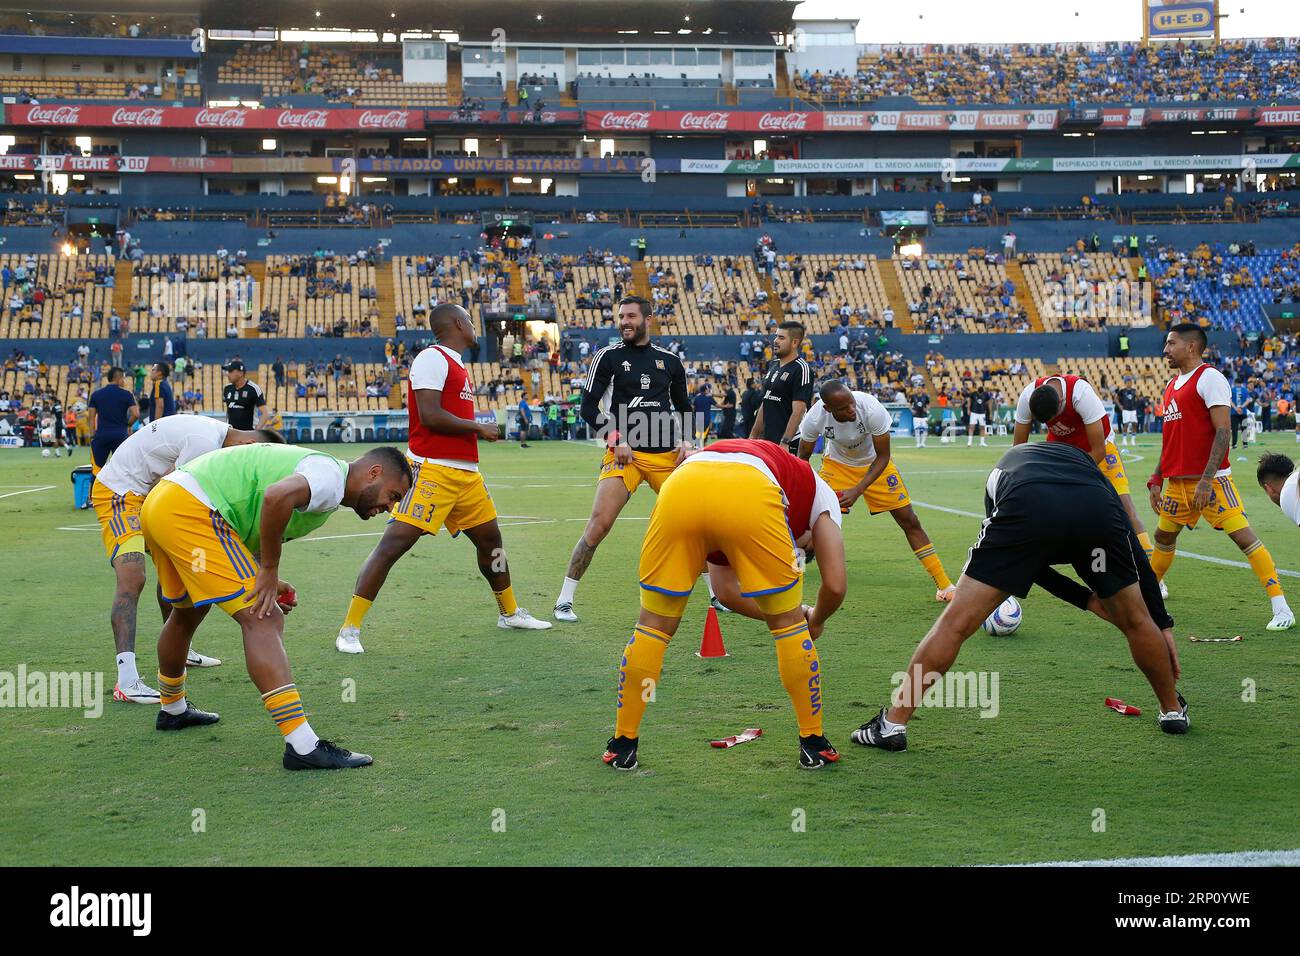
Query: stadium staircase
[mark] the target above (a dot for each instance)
(1024, 296)
(516, 283)
(782, 75)
(730, 96)
(386, 301)
(122, 288)
(512, 93)
(774, 303)
(455, 84)
(258, 271)
(894, 293)
(641, 287)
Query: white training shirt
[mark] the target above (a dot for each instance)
(158, 448)
(1086, 402)
(849, 443)
(824, 500)
(1290, 498)
(322, 472)
(429, 370)
(1211, 386)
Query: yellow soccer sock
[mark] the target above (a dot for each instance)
(171, 690)
(1261, 562)
(506, 603)
(930, 561)
(800, 668)
(1144, 539)
(284, 704)
(357, 609)
(638, 674)
(1160, 560)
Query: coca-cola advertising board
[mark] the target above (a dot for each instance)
(224, 118)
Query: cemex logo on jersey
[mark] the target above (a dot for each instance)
(1172, 414)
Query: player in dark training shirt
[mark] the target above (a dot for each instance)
(635, 398)
(113, 411)
(787, 388)
(243, 398)
(1129, 401)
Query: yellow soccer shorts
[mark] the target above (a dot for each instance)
(441, 495)
(650, 467)
(727, 507)
(119, 520)
(199, 559)
(886, 493)
(1112, 466)
(1224, 512)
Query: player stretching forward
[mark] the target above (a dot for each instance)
(631, 394)
(696, 520)
(1046, 504)
(120, 489)
(1281, 482)
(1194, 458)
(1080, 420)
(227, 507)
(448, 488)
(856, 462)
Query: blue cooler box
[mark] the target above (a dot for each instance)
(82, 480)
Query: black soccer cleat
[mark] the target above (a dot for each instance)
(191, 717)
(1176, 721)
(326, 756)
(816, 752)
(620, 753)
(874, 734)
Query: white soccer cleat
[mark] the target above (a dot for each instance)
(564, 612)
(137, 692)
(946, 594)
(195, 659)
(349, 641)
(1283, 620)
(1164, 591)
(523, 621)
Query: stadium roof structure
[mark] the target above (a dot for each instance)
(559, 18)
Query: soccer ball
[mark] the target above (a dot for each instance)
(1005, 620)
(45, 453)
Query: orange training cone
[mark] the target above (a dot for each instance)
(712, 645)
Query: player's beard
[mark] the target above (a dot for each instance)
(368, 502)
(639, 335)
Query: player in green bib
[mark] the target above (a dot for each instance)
(215, 527)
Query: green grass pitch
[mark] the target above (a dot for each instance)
(487, 742)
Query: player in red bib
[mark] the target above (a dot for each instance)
(744, 507)
(1194, 460)
(448, 488)
(1076, 416)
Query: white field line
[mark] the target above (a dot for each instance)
(1209, 559)
(1241, 858)
(28, 491)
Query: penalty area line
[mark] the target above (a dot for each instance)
(28, 491)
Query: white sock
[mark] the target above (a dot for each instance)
(709, 584)
(302, 739)
(126, 672)
(1280, 605)
(890, 725)
(175, 707)
(566, 592)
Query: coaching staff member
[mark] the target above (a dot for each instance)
(245, 403)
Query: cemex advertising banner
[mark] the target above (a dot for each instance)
(223, 118)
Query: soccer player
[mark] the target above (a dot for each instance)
(977, 414)
(112, 411)
(161, 401)
(787, 388)
(1073, 414)
(856, 462)
(786, 508)
(1276, 474)
(234, 509)
(1129, 402)
(1194, 459)
(920, 417)
(635, 398)
(1046, 503)
(448, 487)
(243, 398)
(60, 430)
(119, 491)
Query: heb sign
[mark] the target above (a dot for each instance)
(1179, 18)
(233, 118)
